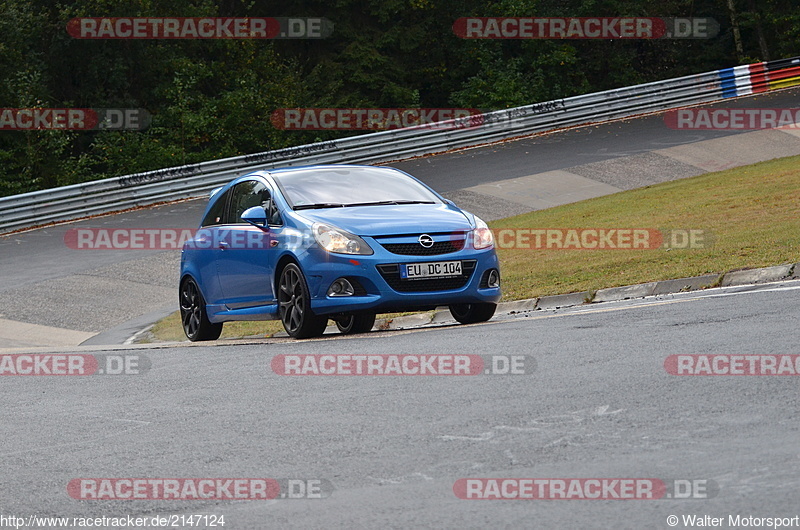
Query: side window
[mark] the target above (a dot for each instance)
(216, 215)
(246, 195)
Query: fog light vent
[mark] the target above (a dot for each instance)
(341, 287)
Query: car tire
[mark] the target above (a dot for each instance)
(350, 323)
(471, 313)
(194, 318)
(294, 303)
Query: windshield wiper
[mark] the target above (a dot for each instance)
(383, 203)
(319, 205)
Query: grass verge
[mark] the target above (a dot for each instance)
(753, 213)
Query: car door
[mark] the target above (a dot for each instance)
(245, 259)
(203, 252)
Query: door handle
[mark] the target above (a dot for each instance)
(223, 245)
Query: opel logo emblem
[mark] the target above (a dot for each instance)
(425, 240)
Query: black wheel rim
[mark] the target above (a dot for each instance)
(191, 311)
(292, 301)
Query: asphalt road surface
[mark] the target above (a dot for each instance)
(598, 404)
(112, 294)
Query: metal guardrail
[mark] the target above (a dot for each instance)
(142, 189)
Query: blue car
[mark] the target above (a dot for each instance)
(340, 242)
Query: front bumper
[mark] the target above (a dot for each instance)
(379, 287)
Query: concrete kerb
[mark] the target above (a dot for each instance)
(442, 315)
(625, 293)
(680, 285)
(765, 275)
(563, 300)
(519, 306)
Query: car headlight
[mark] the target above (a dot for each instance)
(339, 241)
(482, 236)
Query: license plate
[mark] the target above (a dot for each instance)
(434, 269)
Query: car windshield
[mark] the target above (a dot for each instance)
(342, 187)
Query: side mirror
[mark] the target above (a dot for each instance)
(256, 216)
(451, 203)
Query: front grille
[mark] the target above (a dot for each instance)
(415, 249)
(391, 273)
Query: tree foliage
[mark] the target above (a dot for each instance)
(213, 98)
